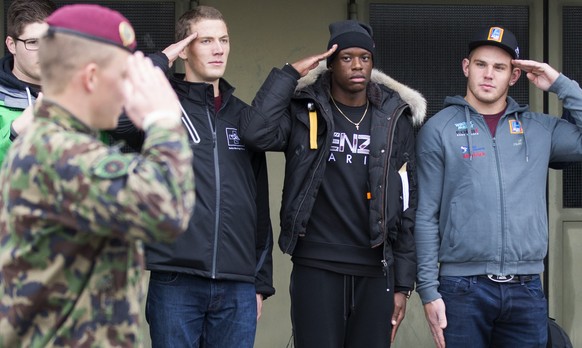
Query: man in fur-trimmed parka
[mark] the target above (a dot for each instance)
(349, 195)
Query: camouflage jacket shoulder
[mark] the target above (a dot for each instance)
(73, 215)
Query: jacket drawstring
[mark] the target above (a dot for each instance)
(349, 295)
(189, 126)
(345, 298)
(353, 305)
(524, 137)
(29, 96)
(469, 135)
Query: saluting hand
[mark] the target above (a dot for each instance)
(540, 74)
(149, 94)
(307, 64)
(173, 51)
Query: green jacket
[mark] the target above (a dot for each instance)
(15, 96)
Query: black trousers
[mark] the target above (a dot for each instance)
(332, 310)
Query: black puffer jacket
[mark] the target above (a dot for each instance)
(279, 121)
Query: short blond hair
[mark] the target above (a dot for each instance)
(62, 55)
(183, 26)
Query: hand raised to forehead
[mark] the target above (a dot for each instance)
(307, 64)
(173, 51)
(540, 74)
(149, 93)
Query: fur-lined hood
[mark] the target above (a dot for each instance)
(412, 97)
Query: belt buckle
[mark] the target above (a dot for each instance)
(500, 278)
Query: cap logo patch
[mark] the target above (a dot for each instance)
(495, 34)
(126, 34)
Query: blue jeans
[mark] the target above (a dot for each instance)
(189, 311)
(482, 313)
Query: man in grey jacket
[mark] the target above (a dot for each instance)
(481, 225)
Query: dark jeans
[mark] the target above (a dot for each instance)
(332, 310)
(189, 311)
(483, 314)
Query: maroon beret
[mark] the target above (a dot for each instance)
(93, 22)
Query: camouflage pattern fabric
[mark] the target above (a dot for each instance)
(73, 215)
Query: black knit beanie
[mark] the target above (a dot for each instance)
(350, 33)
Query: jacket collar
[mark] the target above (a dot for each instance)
(512, 105)
(413, 98)
(9, 81)
(48, 109)
(200, 92)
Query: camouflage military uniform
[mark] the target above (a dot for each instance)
(73, 214)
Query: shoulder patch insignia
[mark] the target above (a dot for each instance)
(112, 166)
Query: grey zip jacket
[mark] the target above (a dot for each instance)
(482, 199)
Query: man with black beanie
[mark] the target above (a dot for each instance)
(349, 194)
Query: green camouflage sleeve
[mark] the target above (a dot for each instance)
(73, 213)
(96, 188)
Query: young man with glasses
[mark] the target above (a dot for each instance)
(19, 70)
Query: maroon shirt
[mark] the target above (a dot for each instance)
(493, 120)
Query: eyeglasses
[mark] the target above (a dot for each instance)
(30, 44)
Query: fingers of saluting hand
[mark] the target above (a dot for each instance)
(318, 58)
(533, 67)
(329, 52)
(541, 74)
(144, 75)
(307, 64)
(140, 68)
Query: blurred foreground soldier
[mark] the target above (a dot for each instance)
(74, 211)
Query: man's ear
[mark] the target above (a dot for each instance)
(10, 44)
(515, 74)
(89, 77)
(465, 65)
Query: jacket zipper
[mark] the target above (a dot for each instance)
(502, 199)
(501, 195)
(217, 193)
(396, 116)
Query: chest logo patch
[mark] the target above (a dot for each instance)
(463, 129)
(515, 127)
(233, 140)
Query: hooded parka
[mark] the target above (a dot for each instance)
(280, 121)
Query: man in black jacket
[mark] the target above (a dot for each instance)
(207, 288)
(349, 195)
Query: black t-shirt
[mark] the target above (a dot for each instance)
(338, 237)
